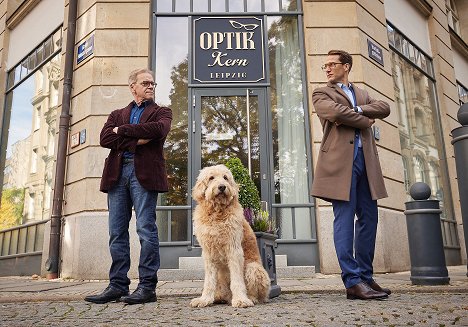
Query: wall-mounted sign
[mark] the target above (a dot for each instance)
(74, 140)
(85, 49)
(83, 136)
(228, 50)
(375, 52)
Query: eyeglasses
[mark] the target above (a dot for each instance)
(331, 65)
(148, 84)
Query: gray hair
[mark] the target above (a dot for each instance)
(134, 74)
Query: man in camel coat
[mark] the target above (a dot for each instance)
(348, 173)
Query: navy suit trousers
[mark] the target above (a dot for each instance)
(355, 239)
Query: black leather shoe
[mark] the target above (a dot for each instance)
(108, 295)
(141, 295)
(362, 291)
(376, 287)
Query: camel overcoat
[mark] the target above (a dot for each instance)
(333, 172)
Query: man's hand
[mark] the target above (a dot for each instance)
(142, 141)
(371, 122)
(115, 129)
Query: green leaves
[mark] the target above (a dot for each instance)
(248, 193)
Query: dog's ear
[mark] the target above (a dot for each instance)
(198, 191)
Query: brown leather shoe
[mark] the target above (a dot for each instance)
(376, 287)
(362, 291)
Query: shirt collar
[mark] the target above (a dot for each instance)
(350, 86)
(141, 106)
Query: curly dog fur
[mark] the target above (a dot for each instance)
(233, 269)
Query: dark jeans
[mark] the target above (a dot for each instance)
(127, 193)
(355, 240)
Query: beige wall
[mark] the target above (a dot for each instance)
(121, 44)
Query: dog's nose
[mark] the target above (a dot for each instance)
(222, 187)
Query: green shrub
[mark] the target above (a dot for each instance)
(248, 193)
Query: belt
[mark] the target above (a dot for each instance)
(127, 160)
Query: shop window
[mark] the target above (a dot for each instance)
(236, 5)
(29, 140)
(287, 111)
(221, 6)
(409, 50)
(47, 49)
(172, 91)
(420, 131)
(289, 138)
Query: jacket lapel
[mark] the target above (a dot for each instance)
(341, 92)
(127, 112)
(149, 108)
(359, 94)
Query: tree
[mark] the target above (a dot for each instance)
(11, 211)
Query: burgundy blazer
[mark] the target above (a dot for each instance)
(150, 166)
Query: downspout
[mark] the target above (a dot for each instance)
(52, 263)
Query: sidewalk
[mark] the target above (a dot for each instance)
(26, 289)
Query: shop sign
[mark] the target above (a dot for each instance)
(228, 50)
(85, 49)
(375, 52)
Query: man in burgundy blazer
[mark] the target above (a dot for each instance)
(134, 173)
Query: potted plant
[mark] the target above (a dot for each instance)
(258, 218)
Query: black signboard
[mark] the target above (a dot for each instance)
(228, 50)
(375, 52)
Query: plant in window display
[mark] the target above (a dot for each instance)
(257, 217)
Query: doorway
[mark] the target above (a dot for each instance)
(229, 123)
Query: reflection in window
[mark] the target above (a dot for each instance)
(462, 93)
(30, 123)
(420, 139)
(289, 145)
(172, 91)
(452, 15)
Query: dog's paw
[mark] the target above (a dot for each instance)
(242, 303)
(200, 302)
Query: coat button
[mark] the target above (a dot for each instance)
(351, 142)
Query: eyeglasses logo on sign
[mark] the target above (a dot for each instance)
(228, 50)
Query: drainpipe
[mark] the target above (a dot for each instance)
(52, 263)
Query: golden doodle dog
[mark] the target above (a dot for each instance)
(233, 270)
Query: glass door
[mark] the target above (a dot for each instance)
(229, 123)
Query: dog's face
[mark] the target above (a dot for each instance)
(215, 184)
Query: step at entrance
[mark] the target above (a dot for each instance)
(191, 268)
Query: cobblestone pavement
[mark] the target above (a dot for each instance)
(294, 309)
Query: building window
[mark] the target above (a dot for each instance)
(419, 126)
(462, 93)
(37, 118)
(452, 15)
(29, 123)
(34, 161)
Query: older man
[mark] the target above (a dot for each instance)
(134, 173)
(348, 173)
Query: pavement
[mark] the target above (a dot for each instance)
(318, 301)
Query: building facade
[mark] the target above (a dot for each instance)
(238, 75)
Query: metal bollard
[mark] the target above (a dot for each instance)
(460, 146)
(426, 246)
